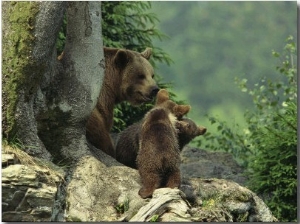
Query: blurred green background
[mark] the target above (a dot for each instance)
(212, 43)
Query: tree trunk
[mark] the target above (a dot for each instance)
(46, 102)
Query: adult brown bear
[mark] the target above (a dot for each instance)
(128, 77)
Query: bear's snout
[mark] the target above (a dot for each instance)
(154, 91)
(202, 130)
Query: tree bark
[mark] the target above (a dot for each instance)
(46, 101)
(30, 31)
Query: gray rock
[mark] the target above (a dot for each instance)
(8, 159)
(222, 201)
(99, 192)
(19, 175)
(230, 201)
(207, 164)
(28, 191)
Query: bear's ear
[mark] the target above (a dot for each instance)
(121, 58)
(201, 130)
(180, 110)
(147, 53)
(162, 96)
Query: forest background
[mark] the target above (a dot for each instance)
(213, 43)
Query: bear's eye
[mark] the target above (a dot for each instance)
(152, 76)
(141, 76)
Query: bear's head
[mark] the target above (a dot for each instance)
(163, 100)
(137, 84)
(189, 128)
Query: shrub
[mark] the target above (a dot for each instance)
(273, 128)
(268, 147)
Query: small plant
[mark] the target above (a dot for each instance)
(209, 203)
(154, 218)
(123, 207)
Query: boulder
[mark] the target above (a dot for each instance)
(200, 163)
(100, 191)
(29, 190)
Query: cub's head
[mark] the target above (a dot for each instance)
(163, 100)
(137, 84)
(187, 131)
(189, 128)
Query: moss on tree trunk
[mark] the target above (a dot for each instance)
(18, 65)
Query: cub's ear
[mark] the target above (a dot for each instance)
(180, 110)
(121, 58)
(162, 96)
(147, 53)
(201, 130)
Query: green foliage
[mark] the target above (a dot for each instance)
(130, 25)
(229, 139)
(61, 39)
(273, 168)
(268, 147)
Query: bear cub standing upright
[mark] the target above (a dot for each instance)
(158, 158)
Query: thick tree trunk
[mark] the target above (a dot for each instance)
(45, 101)
(83, 64)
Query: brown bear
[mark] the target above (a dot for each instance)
(128, 143)
(158, 157)
(128, 77)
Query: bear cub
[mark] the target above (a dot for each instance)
(158, 157)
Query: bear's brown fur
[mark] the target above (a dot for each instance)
(158, 157)
(128, 77)
(163, 100)
(128, 144)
